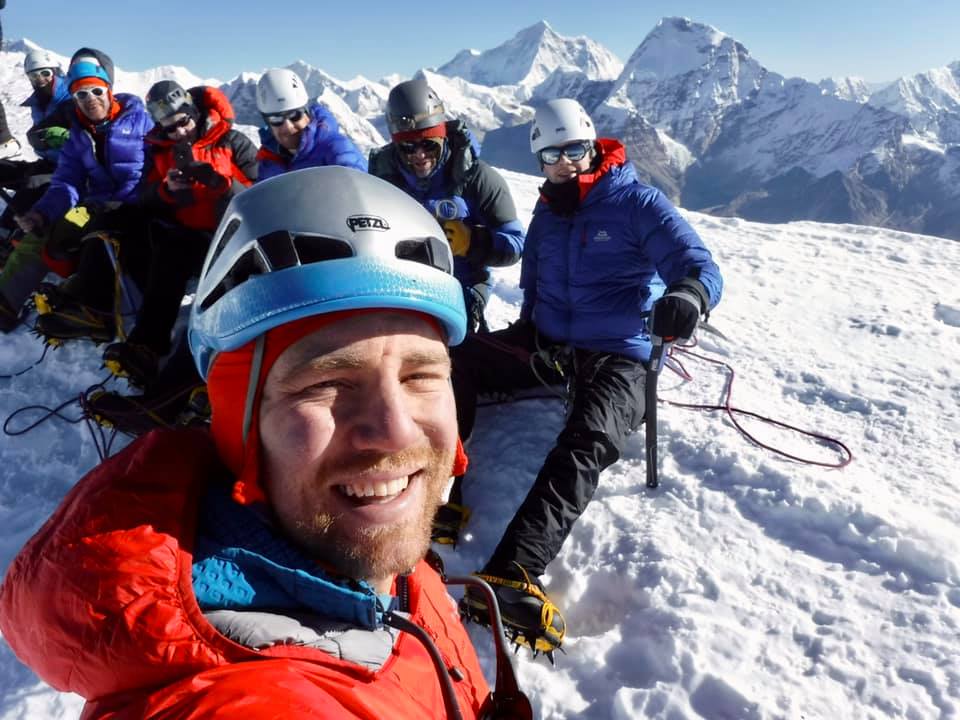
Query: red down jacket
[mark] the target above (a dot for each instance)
(100, 603)
(229, 152)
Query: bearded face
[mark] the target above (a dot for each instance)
(358, 433)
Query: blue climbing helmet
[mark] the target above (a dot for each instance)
(89, 63)
(317, 241)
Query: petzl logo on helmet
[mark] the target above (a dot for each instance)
(367, 222)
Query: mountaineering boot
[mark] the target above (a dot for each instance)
(71, 321)
(49, 296)
(183, 406)
(529, 617)
(450, 519)
(129, 414)
(138, 363)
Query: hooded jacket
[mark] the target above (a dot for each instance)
(230, 154)
(81, 177)
(100, 602)
(480, 195)
(590, 278)
(42, 108)
(321, 144)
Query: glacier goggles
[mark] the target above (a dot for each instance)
(41, 73)
(574, 152)
(427, 145)
(84, 92)
(171, 128)
(277, 119)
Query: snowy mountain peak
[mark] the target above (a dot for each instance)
(678, 45)
(682, 79)
(531, 56)
(851, 88)
(931, 100)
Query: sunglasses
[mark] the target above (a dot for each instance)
(277, 119)
(428, 145)
(574, 152)
(83, 93)
(35, 74)
(176, 125)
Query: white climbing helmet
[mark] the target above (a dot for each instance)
(280, 90)
(559, 122)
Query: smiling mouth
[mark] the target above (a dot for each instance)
(378, 492)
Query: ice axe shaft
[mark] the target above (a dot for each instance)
(657, 354)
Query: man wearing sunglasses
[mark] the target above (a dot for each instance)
(298, 133)
(196, 162)
(29, 179)
(96, 180)
(603, 252)
(437, 161)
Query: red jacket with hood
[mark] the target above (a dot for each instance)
(100, 603)
(232, 155)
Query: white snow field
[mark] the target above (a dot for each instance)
(747, 585)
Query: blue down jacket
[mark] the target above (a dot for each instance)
(590, 279)
(81, 178)
(321, 144)
(462, 187)
(40, 111)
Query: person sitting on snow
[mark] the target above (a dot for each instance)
(608, 262)
(298, 134)
(273, 566)
(436, 161)
(30, 178)
(94, 189)
(196, 162)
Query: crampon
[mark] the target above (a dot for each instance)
(530, 619)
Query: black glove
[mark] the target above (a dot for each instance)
(204, 174)
(676, 314)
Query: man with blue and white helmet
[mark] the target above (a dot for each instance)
(272, 559)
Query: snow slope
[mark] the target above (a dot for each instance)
(747, 586)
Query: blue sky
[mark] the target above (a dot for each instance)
(875, 40)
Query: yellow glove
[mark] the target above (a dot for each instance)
(78, 215)
(458, 235)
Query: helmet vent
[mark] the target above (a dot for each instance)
(228, 232)
(425, 252)
(313, 248)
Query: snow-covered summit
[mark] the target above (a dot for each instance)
(852, 88)
(931, 100)
(531, 56)
(682, 78)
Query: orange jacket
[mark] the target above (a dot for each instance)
(231, 154)
(100, 603)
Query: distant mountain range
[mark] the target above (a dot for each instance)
(701, 119)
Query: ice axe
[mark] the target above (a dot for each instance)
(660, 348)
